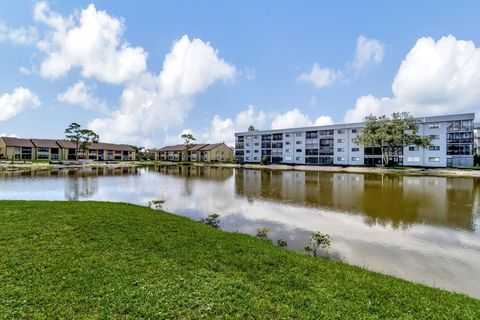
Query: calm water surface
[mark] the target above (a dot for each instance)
(424, 229)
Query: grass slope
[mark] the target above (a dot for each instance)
(114, 260)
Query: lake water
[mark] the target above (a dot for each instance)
(424, 229)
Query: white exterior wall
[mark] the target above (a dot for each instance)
(340, 141)
(420, 157)
(299, 144)
(288, 149)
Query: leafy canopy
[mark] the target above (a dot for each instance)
(390, 132)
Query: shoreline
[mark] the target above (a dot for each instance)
(420, 171)
(443, 172)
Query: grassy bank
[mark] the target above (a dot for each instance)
(113, 260)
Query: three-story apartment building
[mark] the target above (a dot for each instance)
(452, 145)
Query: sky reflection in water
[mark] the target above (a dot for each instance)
(423, 229)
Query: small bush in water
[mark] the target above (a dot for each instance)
(212, 220)
(282, 243)
(318, 241)
(262, 233)
(156, 204)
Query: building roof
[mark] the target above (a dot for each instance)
(195, 147)
(66, 144)
(209, 147)
(177, 147)
(17, 142)
(198, 147)
(45, 143)
(111, 146)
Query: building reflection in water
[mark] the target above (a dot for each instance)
(423, 229)
(396, 200)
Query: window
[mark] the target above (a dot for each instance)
(298, 158)
(255, 151)
(434, 136)
(434, 159)
(298, 142)
(298, 150)
(341, 131)
(354, 130)
(255, 158)
(340, 159)
(434, 148)
(434, 126)
(287, 135)
(413, 148)
(255, 137)
(43, 149)
(355, 149)
(248, 158)
(413, 159)
(340, 149)
(340, 140)
(256, 144)
(287, 150)
(298, 134)
(248, 151)
(355, 159)
(247, 144)
(287, 142)
(42, 156)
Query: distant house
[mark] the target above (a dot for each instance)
(50, 149)
(16, 148)
(202, 152)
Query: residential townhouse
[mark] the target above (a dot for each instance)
(49, 149)
(452, 145)
(202, 152)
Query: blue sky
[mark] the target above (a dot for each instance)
(213, 67)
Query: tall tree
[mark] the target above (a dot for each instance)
(82, 138)
(251, 128)
(391, 132)
(188, 139)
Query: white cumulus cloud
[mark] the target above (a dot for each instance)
(13, 103)
(368, 52)
(295, 118)
(21, 35)
(150, 103)
(320, 77)
(81, 95)
(91, 40)
(436, 77)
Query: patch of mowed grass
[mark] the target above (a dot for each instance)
(115, 260)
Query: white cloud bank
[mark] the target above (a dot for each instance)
(13, 103)
(91, 40)
(158, 102)
(295, 118)
(436, 77)
(81, 95)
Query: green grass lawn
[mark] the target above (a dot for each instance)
(113, 260)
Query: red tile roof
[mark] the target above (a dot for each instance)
(17, 142)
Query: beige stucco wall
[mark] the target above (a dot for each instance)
(221, 153)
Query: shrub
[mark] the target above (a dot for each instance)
(318, 241)
(156, 204)
(262, 233)
(212, 220)
(282, 243)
